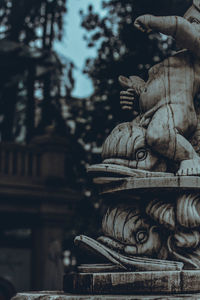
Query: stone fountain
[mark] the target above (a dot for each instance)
(149, 177)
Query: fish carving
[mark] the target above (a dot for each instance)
(126, 146)
(182, 220)
(127, 230)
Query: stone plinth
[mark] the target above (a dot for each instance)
(129, 283)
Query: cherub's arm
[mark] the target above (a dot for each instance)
(183, 31)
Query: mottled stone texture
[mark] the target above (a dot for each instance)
(130, 283)
(62, 296)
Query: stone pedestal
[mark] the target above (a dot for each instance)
(162, 211)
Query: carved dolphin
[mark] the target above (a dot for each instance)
(126, 146)
(126, 229)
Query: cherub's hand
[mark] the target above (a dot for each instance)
(127, 99)
(143, 23)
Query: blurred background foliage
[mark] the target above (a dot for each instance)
(31, 71)
(36, 84)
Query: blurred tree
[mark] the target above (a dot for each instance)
(122, 50)
(36, 84)
(31, 71)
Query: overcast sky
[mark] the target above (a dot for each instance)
(74, 47)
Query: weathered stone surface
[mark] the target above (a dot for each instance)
(165, 282)
(62, 296)
(160, 184)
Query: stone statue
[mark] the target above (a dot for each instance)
(150, 172)
(166, 101)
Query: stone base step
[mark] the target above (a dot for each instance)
(130, 283)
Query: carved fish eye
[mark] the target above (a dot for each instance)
(141, 236)
(141, 154)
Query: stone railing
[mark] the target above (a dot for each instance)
(38, 162)
(20, 161)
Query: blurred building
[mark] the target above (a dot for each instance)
(36, 205)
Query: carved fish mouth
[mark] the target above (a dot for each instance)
(126, 262)
(101, 172)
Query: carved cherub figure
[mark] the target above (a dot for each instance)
(166, 100)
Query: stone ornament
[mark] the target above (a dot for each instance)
(151, 165)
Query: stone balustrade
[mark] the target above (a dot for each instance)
(42, 160)
(19, 161)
